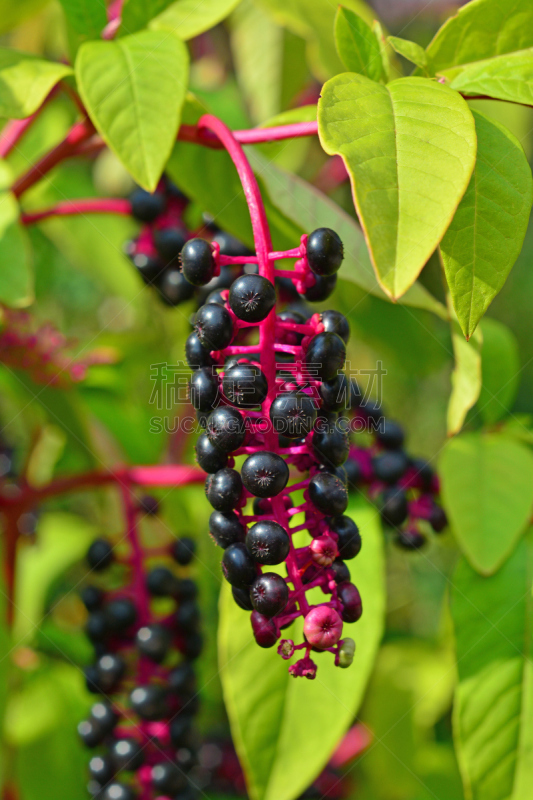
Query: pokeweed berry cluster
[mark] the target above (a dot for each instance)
(155, 252)
(145, 633)
(404, 487)
(274, 402)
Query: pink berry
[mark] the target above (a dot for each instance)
(324, 550)
(323, 627)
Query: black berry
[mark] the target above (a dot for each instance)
(182, 679)
(410, 539)
(269, 594)
(127, 754)
(238, 566)
(293, 414)
(91, 732)
(101, 769)
(173, 288)
(245, 385)
(197, 262)
(99, 555)
(153, 641)
(268, 542)
(252, 298)
(325, 356)
(324, 251)
(349, 542)
(226, 528)
(104, 715)
(322, 288)
(264, 630)
(352, 606)
(149, 702)
(121, 614)
(225, 429)
(183, 550)
(196, 354)
(265, 474)
(117, 791)
(389, 467)
(161, 582)
(146, 207)
(335, 322)
(394, 507)
(390, 435)
(331, 445)
(110, 668)
(223, 489)
(335, 394)
(209, 457)
(328, 494)
(438, 519)
(169, 243)
(167, 778)
(214, 326)
(341, 573)
(92, 597)
(230, 245)
(242, 598)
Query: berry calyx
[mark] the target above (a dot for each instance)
(293, 414)
(252, 298)
(268, 542)
(269, 594)
(265, 474)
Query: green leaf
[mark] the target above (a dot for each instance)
(285, 728)
(257, 48)
(188, 18)
(500, 368)
(507, 77)
(16, 278)
(357, 46)
(12, 14)
(409, 148)
(482, 29)
(487, 490)
(308, 208)
(25, 81)
(411, 51)
(136, 14)
(133, 89)
(493, 709)
(85, 20)
(487, 232)
(466, 376)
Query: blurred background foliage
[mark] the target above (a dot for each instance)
(256, 64)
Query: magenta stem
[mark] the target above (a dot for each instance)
(68, 208)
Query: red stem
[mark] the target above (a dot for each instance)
(68, 208)
(198, 135)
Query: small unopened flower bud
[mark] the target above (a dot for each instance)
(324, 550)
(304, 668)
(286, 648)
(345, 653)
(323, 627)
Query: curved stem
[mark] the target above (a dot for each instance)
(91, 205)
(197, 134)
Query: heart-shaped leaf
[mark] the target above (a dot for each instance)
(133, 89)
(410, 150)
(493, 714)
(482, 29)
(286, 728)
(357, 45)
(488, 229)
(508, 77)
(188, 18)
(487, 489)
(25, 81)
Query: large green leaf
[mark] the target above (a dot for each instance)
(134, 90)
(500, 369)
(85, 19)
(507, 77)
(136, 14)
(357, 46)
(466, 376)
(188, 18)
(16, 278)
(493, 712)
(257, 48)
(286, 728)
(487, 489)
(482, 29)
(25, 81)
(410, 150)
(489, 226)
(310, 208)
(12, 13)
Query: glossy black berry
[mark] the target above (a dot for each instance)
(269, 594)
(209, 457)
(127, 755)
(245, 385)
(335, 322)
(110, 668)
(214, 297)
(117, 791)
(335, 394)
(226, 429)
(182, 679)
(242, 598)
(265, 474)
(293, 415)
(203, 388)
(121, 614)
(183, 550)
(394, 507)
(91, 732)
(153, 641)
(389, 467)
(104, 714)
(99, 555)
(238, 565)
(91, 679)
(146, 207)
(328, 494)
(223, 489)
(330, 445)
(101, 769)
(149, 505)
(167, 778)
(230, 245)
(341, 573)
(149, 702)
(187, 617)
(323, 287)
(352, 606)
(390, 435)
(196, 354)
(424, 473)
(264, 630)
(438, 519)
(349, 542)
(410, 539)
(96, 627)
(92, 597)
(324, 251)
(180, 730)
(161, 582)
(252, 298)
(197, 261)
(150, 269)
(226, 528)
(268, 542)
(214, 326)
(169, 243)
(173, 288)
(325, 356)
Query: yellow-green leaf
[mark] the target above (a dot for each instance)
(188, 18)
(357, 45)
(25, 80)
